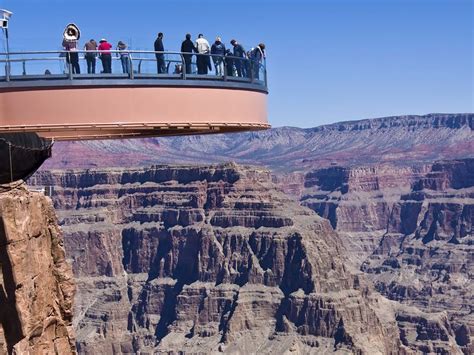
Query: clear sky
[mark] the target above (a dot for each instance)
(328, 60)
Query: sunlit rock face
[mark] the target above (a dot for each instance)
(426, 258)
(36, 283)
(211, 259)
(409, 228)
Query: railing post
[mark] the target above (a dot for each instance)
(183, 67)
(265, 72)
(8, 64)
(24, 67)
(130, 66)
(251, 66)
(7, 70)
(225, 67)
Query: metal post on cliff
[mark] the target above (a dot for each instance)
(4, 25)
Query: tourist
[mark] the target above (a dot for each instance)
(105, 56)
(160, 57)
(257, 56)
(124, 57)
(229, 62)
(72, 56)
(239, 52)
(188, 47)
(218, 52)
(91, 54)
(203, 47)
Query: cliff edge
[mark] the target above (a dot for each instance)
(36, 283)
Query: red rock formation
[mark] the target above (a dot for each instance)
(412, 230)
(426, 258)
(215, 258)
(36, 285)
(207, 259)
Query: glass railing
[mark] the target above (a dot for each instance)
(76, 65)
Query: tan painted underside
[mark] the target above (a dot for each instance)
(83, 113)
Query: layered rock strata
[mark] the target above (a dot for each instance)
(36, 282)
(203, 259)
(410, 229)
(426, 257)
(358, 201)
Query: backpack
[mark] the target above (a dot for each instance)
(251, 53)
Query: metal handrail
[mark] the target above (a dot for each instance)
(251, 67)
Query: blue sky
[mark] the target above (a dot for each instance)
(328, 60)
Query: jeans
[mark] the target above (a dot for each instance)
(106, 59)
(202, 63)
(90, 64)
(219, 65)
(160, 63)
(125, 64)
(73, 58)
(240, 67)
(229, 64)
(187, 62)
(256, 69)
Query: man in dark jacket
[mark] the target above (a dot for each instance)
(229, 62)
(188, 47)
(240, 65)
(257, 58)
(160, 57)
(218, 52)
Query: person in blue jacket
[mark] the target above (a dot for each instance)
(240, 64)
(218, 53)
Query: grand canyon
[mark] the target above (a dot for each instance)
(354, 237)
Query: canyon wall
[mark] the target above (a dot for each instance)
(203, 259)
(410, 229)
(36, 282)
(217, 259)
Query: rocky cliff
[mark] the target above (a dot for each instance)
(401, 140)
(410, 228)
(204, 259)
(426, 257)
(36, 282)
(358, 201)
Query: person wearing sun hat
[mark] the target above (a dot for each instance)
(124, 57)
(105, 55)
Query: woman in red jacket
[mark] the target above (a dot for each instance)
(105, 55)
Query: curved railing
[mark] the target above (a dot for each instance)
(56, 65)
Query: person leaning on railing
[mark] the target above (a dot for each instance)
(124, 57)
(188, 47)
(257, 56)
(240, 65)
(91, 54)
(105, 56)
(229, 63)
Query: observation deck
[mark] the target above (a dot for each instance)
(39, 92)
